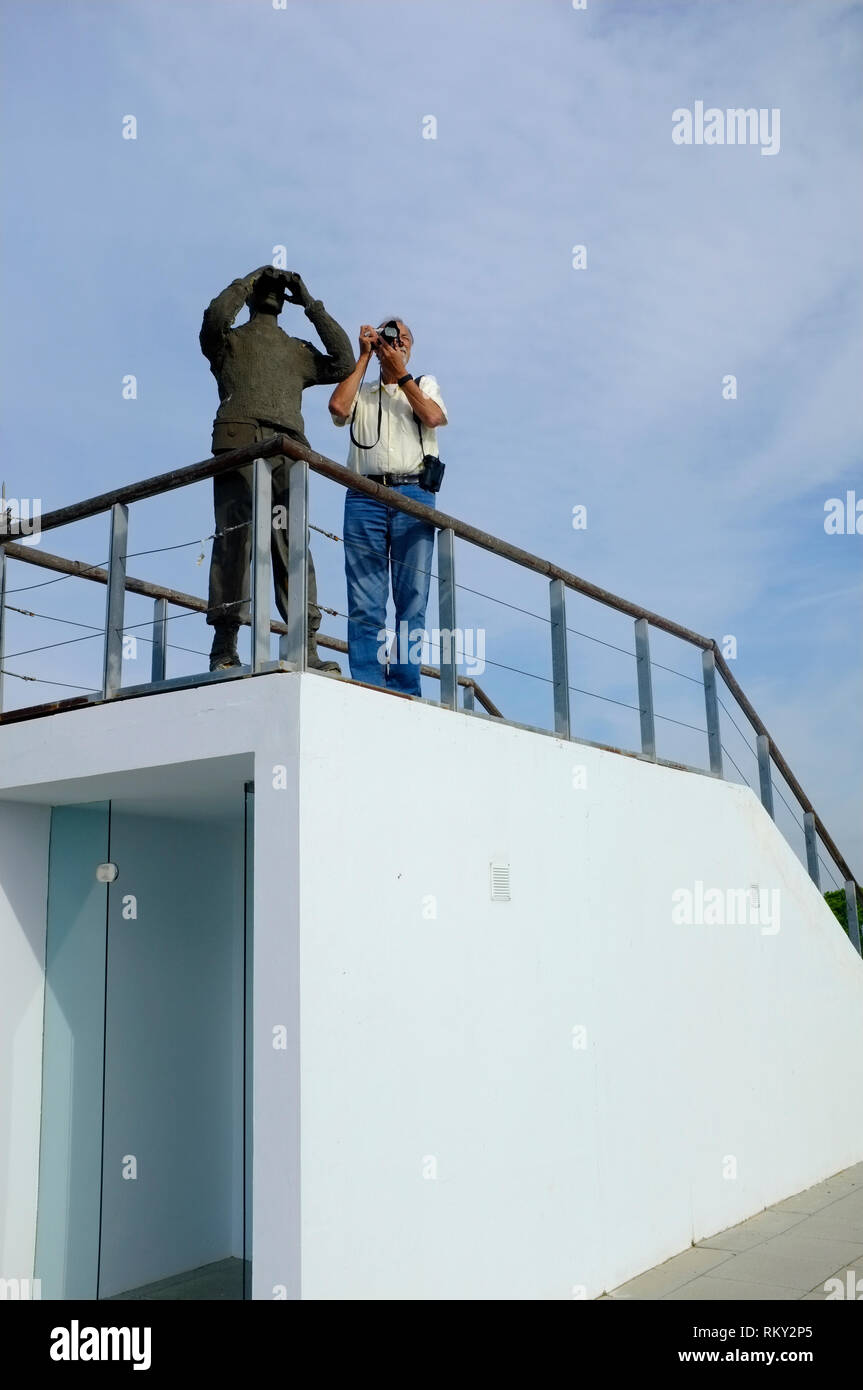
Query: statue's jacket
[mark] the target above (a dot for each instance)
(261, 371)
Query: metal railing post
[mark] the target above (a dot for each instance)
(293, 646)
(160, 640)
(112, 664)
(711, 706)
(645, 687)
(851, 914)
(262, 523)
(559, 657)
(467, 697)
(2, 619)
(811, 835)
(764, 778)
(447, 619)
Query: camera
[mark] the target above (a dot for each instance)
(390, 334)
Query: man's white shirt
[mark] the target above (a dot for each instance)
(398, 450)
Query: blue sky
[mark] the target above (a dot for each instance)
(302, 127)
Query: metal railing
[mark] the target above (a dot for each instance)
(293, 634)
(162, 597)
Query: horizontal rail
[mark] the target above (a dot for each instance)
(485, 541)
(161, 482)
(143, 587)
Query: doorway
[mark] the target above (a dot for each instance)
(145, 1150)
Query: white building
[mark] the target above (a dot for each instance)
(450, 1042)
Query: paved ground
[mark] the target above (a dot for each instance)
(786, 1251)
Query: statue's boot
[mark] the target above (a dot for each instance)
(224, 653)
(316, 663)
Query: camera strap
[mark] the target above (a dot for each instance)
(374, 442)
(418, 379)
(354, 439)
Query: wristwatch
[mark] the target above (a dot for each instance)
(402, 379)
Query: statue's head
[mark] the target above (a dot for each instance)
(268, 293)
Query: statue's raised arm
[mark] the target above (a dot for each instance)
(338, 361)
(220, 313)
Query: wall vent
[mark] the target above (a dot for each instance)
(499, 881)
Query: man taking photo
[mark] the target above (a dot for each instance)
(393, 424)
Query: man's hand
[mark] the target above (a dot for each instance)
(368, 340)
(295, 290)
(391, 359)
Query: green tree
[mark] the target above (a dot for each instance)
(835, 900)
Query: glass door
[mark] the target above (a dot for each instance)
(73, 1054)
(145, 1159)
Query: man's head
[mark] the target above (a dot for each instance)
(406, 337)
(268, 293)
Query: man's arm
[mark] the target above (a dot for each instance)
(221, 312)
(429, 412)
(342, 399)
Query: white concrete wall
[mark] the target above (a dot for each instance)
(276, 1178)
(23, 900)
(722, 1065)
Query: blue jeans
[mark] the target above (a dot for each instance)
(379, 539)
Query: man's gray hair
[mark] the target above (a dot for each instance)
(398, 319)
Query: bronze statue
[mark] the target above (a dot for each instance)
(261, 373)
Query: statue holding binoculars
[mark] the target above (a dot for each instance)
(261, 374)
